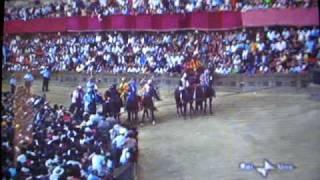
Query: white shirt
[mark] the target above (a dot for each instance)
(125, 156)
(98, 161)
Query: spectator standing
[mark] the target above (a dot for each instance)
(46, 74)
(13, 83)
(28, 80)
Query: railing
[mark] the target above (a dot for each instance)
(170, 82)
(169, 22)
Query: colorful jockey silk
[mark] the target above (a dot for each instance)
(204, 79)
(123, 88)
(133, 87)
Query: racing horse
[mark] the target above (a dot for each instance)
(113, 103)
(148, 104)
(132, 106)
(181, 99)
(184, 99)
(209, 91)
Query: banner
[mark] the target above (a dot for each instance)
(169, 22)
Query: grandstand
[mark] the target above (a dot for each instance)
(107, 79)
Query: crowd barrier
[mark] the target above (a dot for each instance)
(169, 22)
(170, 82)
(127, 172)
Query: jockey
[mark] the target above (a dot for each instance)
(133, 86)
(204, 78)
(123, 87)
(114, 94)
(131, 96)
(211, 69)
(148, 90)
(184, 81)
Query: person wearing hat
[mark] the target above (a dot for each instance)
(28, 79)
(46, 74)
(13, 84)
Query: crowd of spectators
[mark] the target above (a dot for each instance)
(67, 8)
(7, 134)
(250, 51)
(90, 146)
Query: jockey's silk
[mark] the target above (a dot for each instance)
(204, 79)
(185, 82)
(123, 88)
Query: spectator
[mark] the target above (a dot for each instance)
(46, 74)
(105, 8)
(238, 51)
(28, 80)
(62, 148)
(13, 84)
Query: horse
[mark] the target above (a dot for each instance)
(113, 103)
(184, 101)
(132, 106)
(209, 93)
(180, 98)
(148, 105)
(199, 98)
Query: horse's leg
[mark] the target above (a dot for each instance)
(136, 117)
(177, 108)
(197, 106)
(201, 105)
(144, 114)
(210, 104)
(152, 116)
(147, 113)
(205, 106)
(129, 116)
(192, 110)
(184, 110)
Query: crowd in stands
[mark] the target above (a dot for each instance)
(250, 51)
(67, 8)
(66, 145)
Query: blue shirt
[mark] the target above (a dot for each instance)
(28, 77)
(46, 73)
(89, 97)
(133, 87)
(13, 81)
(90, 85)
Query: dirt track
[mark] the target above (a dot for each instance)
(281, 125)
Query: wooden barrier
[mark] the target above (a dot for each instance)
(233, 81)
